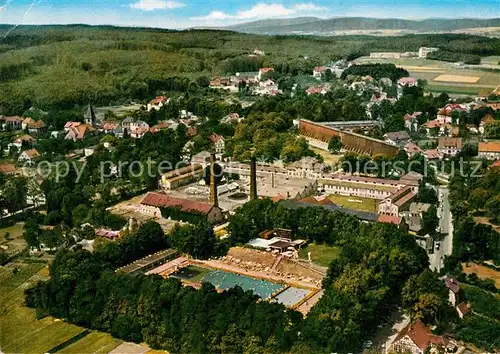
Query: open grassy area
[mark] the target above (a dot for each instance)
(482, 301)
(482, 272)
(12, 237)
(330, 159)
(320, 254)
(355, 203)
(192, 273)
(21, 332)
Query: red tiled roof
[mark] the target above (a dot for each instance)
(432, 154)
(493, 146)
(32, 153)
(23, 138)
(464, 308)
(320, 69)
(495, 164)
(192, 131)
(16, 119)
(452, 284)
(216, 137)
(407, 80)
(158, 100)
(389, 219)
(186, 205)
(450, 142)
(110, 125)
(7, 168)
(418, 333)
(413, 148)
(266, 70)
(71, 124)
(406, 198)
(432, 124)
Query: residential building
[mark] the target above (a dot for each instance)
(415, 338)
(12, 123)
(419, 209)
(33, 126)
(463, 309)
(29, 156)
(407, 82)
(389, 219)
(7, 169)
(411, 121)
(449, 146)
(153, 202)
(488, 119)
(489, 150)
(219, 143)
(264, 71)
(454, 294)
(319, 71)
(412, 149)
(79, 132)
(445, 114)
(138, 129)
(399, 139)
(397, 202)
(315, 90)
(157, 102)
(432, 154)
(424, 51)
(23, 139)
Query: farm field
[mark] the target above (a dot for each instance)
(448, 77)
(320, 254)
(482, 272)
(21, 332)
(355, 203)
(12, 237)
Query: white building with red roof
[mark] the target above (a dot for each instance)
(264, 71)
(29, 156)
(319, 71)
(158, 102)
(219, 143)
(415, 338)
(407, 82)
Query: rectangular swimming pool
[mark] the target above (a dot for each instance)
(226, 280)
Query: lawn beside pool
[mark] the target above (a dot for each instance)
(321, 255)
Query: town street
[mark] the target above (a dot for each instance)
(445, 227)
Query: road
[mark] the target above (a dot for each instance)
(445, 227)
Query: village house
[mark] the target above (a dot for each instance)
(24, 140)
(411, 121)
(29, 156)
(264, 71)
(454, 294)
(399, 139)
(7, 169)
(153, 202)
(432, 154)
(489, 150)
(415, 338)
(12, 123)
(449, 146)
(313, 90)
(319, 71)
(79, 131)
(138, 129)
(113, 128)
(407, 82)
(219, 143)
(231, 117)
(389, 219)
(33, 126)
(157, 103)
(412, 149)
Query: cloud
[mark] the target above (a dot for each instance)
(150, 5)
(262, 11)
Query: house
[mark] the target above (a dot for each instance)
(12, 123)
(424, 51)
(415, 338)
(33, 126)
(231, 117)
(488, 119)
(89, 117)
(495, 164)
(412, 149)
(109, 234)
(153, 203)
(264, 71)
(79, 132)
(319, 71)
(419, 209)
(23, 140)
(397, 202)
(29, 156)
(432, 154)
(219, 143)
(397, 138)
(411, 121)
(70, 125)
(389, 219)
(449, 146)
(317, 90)
(445, 114)
(489, 150)
(407, 82)
(453, 287)
(126, 123)
(7, 168)
(138, 129)
(113, 128)
(201, 158)
(463, 309)
(158, 102)
(258, 52)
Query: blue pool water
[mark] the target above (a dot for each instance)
(226, 280)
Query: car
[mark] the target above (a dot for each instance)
(367, 344)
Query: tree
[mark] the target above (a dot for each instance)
(478, 198)
(493, 208)
(430, 220)
(335, 145)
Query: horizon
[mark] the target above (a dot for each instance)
(186, 14)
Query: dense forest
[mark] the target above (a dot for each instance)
(58, 67)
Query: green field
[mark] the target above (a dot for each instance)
(12, 237)
(320, 254)
(367, 204)
(21, 332)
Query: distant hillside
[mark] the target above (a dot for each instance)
(313, 25)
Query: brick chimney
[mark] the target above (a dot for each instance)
(253, 179)
(214, 199)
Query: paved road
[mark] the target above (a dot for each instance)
(445, 227)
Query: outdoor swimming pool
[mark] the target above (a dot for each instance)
(291, 296)
(226, 280)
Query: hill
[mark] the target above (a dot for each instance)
(333, 25)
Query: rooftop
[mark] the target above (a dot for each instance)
(161, 200)
(144, 262)
(493, 146)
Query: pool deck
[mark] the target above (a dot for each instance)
(217, 265)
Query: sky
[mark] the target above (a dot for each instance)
(177, 14)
